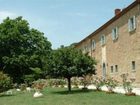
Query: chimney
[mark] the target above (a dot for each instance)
(117, 11)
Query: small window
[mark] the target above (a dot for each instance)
(133, 65)
(111, 69)
(103, 40)
(116, 68)
(115, 33)
(85, 49)
(93, 44)
(132, 23)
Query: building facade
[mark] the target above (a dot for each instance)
(116, 44)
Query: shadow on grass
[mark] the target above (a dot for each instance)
(65, 92)
(5, 95)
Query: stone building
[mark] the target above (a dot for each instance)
(116, 44)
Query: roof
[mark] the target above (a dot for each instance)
(124, 11)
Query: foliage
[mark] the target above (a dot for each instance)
(22, 49)
(28, 79)
(40, 84)
(68, 62)
(75, 81)
(98, 82)
(86, 80)
(56, 82)
(5, 82)
(111, 84)
(23, 87)
(127, 83)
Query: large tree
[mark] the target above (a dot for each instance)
(68, 62)
(23, 50)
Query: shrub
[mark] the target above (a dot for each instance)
(61, 82)
(28, 79)
(23, 87)
(111, 84)
(56, 82)
(5, 82)
(75, 81)
(39, 84)
(127, 83)
(86, 80)
(98, 82)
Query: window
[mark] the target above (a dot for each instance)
(89, 47)
(86, 48)
(83, 49)
(102, 39)
(93, 44)
(116, 68)
(115, 33)
(132, 23)
(111, 69)
(133, 65)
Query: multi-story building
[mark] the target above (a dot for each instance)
(116, 44)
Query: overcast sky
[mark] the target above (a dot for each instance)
(63, 21)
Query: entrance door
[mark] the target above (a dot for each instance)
(104, 70)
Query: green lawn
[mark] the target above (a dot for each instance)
(58, 96)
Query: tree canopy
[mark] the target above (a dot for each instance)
(68, 62)
(23, 50)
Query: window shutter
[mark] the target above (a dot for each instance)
(113, 34)
(93, 44)
(117, 32)
(101, 40)
(129, 25)
(134, 19)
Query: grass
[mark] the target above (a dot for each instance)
(60, 96)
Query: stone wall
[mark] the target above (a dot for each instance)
(120, 52)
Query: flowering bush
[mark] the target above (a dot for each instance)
(5, 82)
(39, 84)
(111, 84)
(56, 82)
(86, 80)
(127, 84)
(98, 82)
(75, 81)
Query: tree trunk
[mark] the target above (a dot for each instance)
(69, 84)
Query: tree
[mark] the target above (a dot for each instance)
(22, 49)
(68, 62)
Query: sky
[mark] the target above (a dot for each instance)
(63, 22)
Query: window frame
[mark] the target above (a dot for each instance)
(116, 68)
(115, 33)
(93, 44)
(103, 40)
(132, 23)
(133, 65)
(111, 69)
